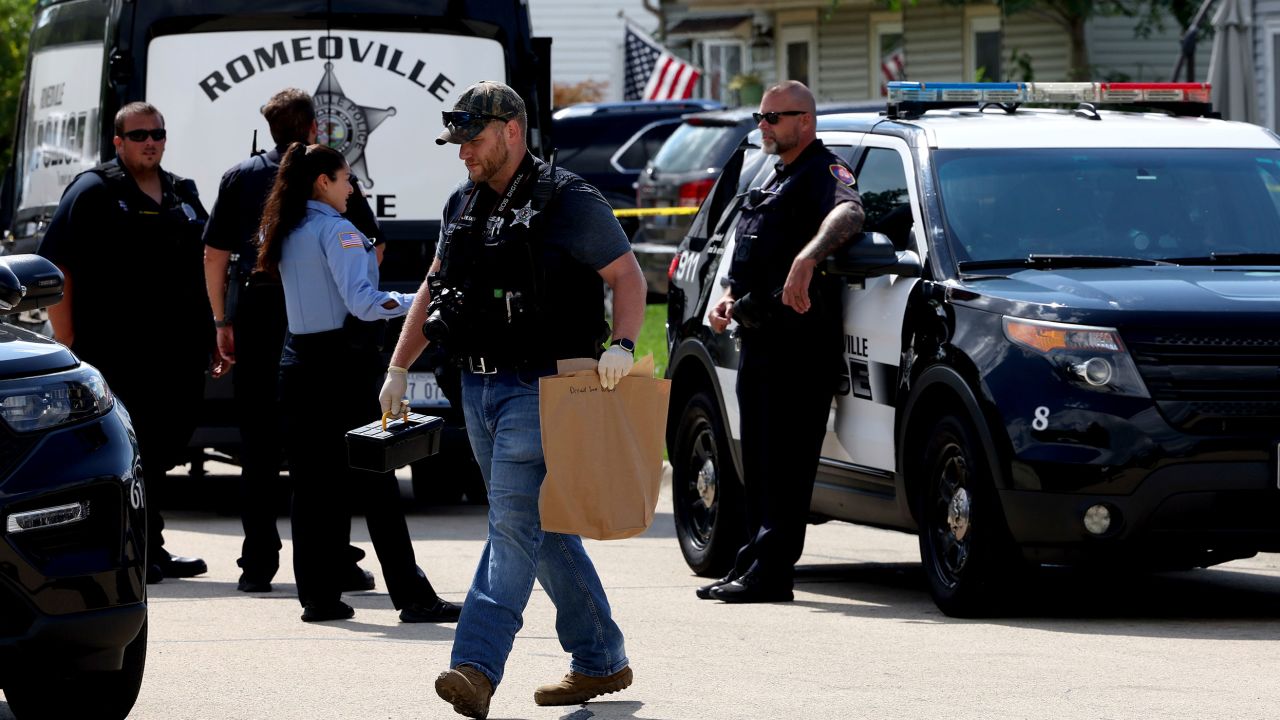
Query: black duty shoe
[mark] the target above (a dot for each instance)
(441, 611)
(182, 567)
(250, 584)
(357, 579)
(704, 592)
(751, 589)
(320, 612)
(154, 574)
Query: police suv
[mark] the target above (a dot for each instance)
(1062, 336)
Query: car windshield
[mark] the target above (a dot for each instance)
(1149, 204)
(694, 147)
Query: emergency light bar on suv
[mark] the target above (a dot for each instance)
(912, 98)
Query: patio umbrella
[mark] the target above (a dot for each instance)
(1231, 62)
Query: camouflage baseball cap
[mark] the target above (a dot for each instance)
(486, 100)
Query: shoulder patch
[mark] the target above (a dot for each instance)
(841, 173)
(350, 240)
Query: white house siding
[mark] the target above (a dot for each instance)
(1114, 51)
(587, 37)
(934, 42)
(843, 55)
(1041, 39)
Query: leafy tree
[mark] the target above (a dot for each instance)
(15, 28)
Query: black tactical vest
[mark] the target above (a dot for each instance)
(526, 300)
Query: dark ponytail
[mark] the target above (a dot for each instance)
(287, 204)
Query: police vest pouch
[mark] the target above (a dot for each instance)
(382, 447)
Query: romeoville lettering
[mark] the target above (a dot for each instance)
(329, 48)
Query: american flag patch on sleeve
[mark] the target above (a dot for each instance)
(351, 240)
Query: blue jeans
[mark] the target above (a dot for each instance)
(502, 422)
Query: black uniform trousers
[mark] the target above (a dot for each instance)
(163, 403)
(785, 387)
(260, 328)
(328, 385)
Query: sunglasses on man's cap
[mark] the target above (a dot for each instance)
(156, 134)
(463, 118)
(774, 117)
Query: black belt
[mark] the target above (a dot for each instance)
(481, 365)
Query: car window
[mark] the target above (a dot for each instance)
(693, 147)
(642, 146)
(882, 182)
(1150, 203)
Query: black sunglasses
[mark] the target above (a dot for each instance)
(773, 117)
(157, 134)
(462, 118)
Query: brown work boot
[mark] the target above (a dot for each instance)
(576, 688)
(467, 688)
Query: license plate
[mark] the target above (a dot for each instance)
(424, 392)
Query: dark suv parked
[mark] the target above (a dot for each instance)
(73, 601)
(681, 176)
(1062, 335)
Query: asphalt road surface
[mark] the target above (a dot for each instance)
(861, 640)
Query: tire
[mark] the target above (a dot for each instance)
(101, 695)
(706, 493)
(965, 547)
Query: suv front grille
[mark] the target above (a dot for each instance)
(1212, 382)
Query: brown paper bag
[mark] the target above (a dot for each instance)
(603, 450)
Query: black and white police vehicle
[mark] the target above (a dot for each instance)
(1062, 336)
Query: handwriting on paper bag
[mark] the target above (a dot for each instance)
(586, 389)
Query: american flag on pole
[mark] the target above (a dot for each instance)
(653, 73)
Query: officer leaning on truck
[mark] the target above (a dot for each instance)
(789, 325)
(126, 235)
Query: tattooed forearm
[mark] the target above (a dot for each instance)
(842, 222)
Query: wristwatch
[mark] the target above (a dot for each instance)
(221, 323)
(625, 344)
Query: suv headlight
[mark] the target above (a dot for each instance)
(37, 403)
(1088, 356)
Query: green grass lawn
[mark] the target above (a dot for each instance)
(653, 337)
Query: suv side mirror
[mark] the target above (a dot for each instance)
(872, 254)
(41, 280)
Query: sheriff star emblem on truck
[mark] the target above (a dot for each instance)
(344, 125)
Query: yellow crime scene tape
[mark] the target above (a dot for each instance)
(644, 212)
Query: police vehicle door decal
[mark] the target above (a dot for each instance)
(873, 314)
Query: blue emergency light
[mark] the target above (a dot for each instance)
(921, 96)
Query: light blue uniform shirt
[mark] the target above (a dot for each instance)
(329, 270)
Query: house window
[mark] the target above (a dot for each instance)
(982, 49)
(720, 61)
(888, 53)
(798, 55)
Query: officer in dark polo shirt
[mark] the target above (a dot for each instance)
(126, 235)
(249, 314)
(789, 324)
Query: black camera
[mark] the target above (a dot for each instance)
(444, 311)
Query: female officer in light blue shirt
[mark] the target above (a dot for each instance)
(329, 374)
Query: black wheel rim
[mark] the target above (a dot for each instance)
(700, 496)
(950, 535)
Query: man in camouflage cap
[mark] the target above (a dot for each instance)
(485, 101)
(521, 235)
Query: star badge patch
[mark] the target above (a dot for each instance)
(522, 216)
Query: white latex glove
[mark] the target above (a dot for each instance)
(615, 363)
(393, 389)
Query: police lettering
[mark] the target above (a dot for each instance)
(327, 47)
(51, 96)
(859, 346)
(384, 206)
(62, 138)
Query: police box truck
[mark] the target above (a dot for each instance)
(380, 72)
